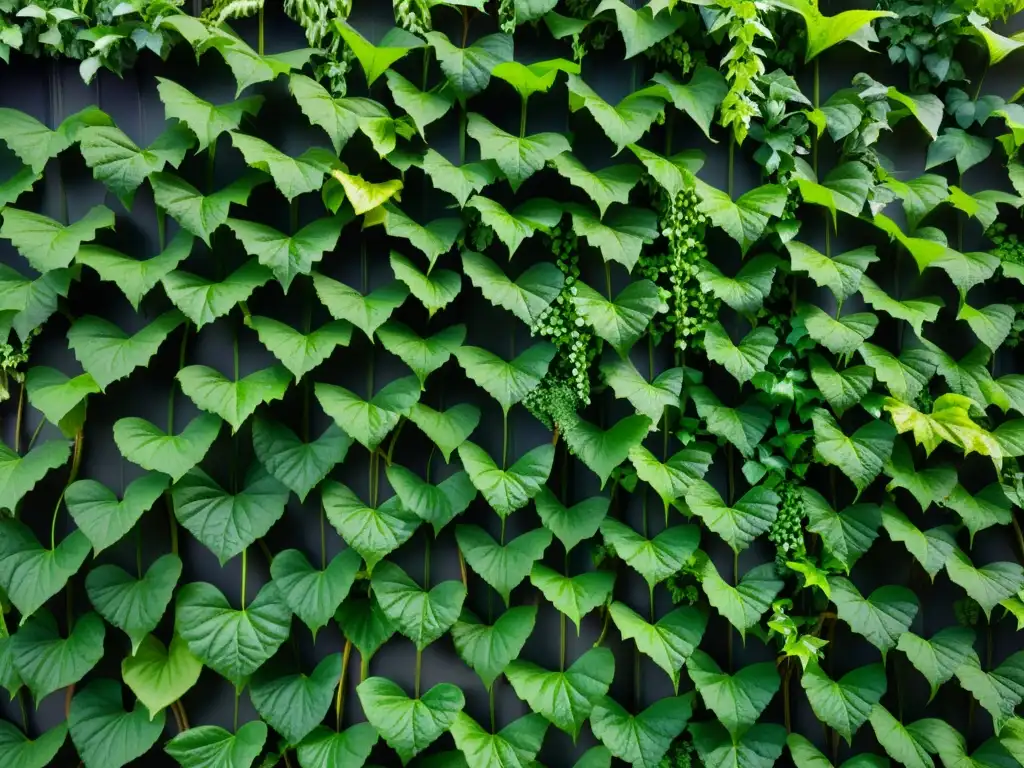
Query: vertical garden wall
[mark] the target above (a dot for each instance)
(511, 384)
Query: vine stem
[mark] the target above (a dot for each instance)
(260, 48)
(490, 705)
(504, 439)
(238, 694)
(522, 120)
(181, 713)
(323, 538)
(76, 462)
(1018, 534)
(339, 699)
(19, 417)
(245, 568)
(561, 617)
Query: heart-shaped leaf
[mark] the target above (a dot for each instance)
(737, 700)
(19, 751)
(623, 321)
(518, 158)
(655, 559)
(108, 354)
(48, 662)
(202, 301)
(516, 744)
(105, 520)
(844, 704)
(511, 489)
(448, 430)
(31, 574)
(508, 382)
(527, 297)
(47, 244)
(373, 533)
(744, 604)
(144, 444)
(369, 421)
(294, 704)
(409, 725)
(299, 466)
(604, 450)
(159, 676)
(489, 649)
(314, 595)
(198, 214)
(289, 256)
(669, 642)
(105, 735)
(209, 745)
(881, 617)
(571, 525)
(135, 606)
(326, 747)
(435, 504)
(421, 615)
(19, 474)
(738, 525)
(574, 596)
(233, 401)
(643, 739)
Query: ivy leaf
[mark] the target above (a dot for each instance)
(135, 606)
(339, 118)
(30, 302)
(468, 70)
(288, 257)
(300, 352)
(841, 274)
(906, 375)
(642, 28)
(20, 474)
(47, 244)
(511, 489)
(571, 525)
(298, 465)
(967, 149)
(604, 187)
(902, 743)
(505, 566)
(991, 324)
(655, 559)
(738, 525)
(159, 676)
(294, 704)
(228, 523)
(367, 313)
(998, 691)
(57, 396)
(436, 504)
(314, 595)
(700, 97)
(202, 301)
(648, 398)
(515, 226)
(134, 278)
(196, 747)
(842, 389)
(744, 360)
(376, 59)
(108, 354)
(745, 219)
(671, 479)
(423, 356)
(988, 585)
(233, 643)
(35, 144)
(644, 739)
(233, 401)
(881, 617)
(434, 291)
(860, 456)
(518, 158)
(574, 596)
(327, 747)
(48, 662)
(118, 163)
(409, 725)
(669, 642)
(144, 444)
(603, 450)
(527, 297)
(758, 747)
(620, 235)
(424, 107)
(372, 532)
(737, 700)
(364, 196)
(919, 196)
(916, 312)
(844, 704)
(928, 486)
(103, 733)
(930, 548)
(744, 604)
(564, 698)
(31, 574)
(432, 240)
(507, 382)
(369, 421)
(939, 657)
(449, 429)
(623, 321)
(363, 623)
(19, 751)
(744, 427)
(201, 117)
(488, 650)
(949, 421)
(823, 31)
(841, 336)
(516, 744)
(847, 535)
(528, 79)
(293, 176)
(459, 181)
(746, 292)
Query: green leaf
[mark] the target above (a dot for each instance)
(298, 352)
(488, 649)
(967, 149)
(527, 297)
(745, 219)
(823, 31)
(511, 489)
(643, 739)
(449, 429)
(432, 240)
(233, 643)
(916, 312)
(108, 354)
(669, 642)
(409, 725)
(363, 195)
(515, 226)
(919, 196)
(103, 733)
(603, 450)
(422, 616)
(642, 28)
(745, 360)
(202, 301)
(422, 355)
(48, 662)
(314, 595)
(928, 486)
(287, 256)
(227, 523)
(294, 704)
(842, 389)
(571, 525)
(367, 313)
(671, 479)
(508, 382)
(1000, 691)
(424, 107)
(906, 375)
(841, 274)
(505, 566)
(991, 324)
(620, 236)
(57, 396)
(746, 292)
(369, 421)
(949, 421)
(574, 596)
(293, 176)
(988, 585)
(204, 119)
(846, 535)
(35, 144)
(159, 676)
(144, 444)
(737, 700)
(298, 465)
(20, 474)
(211, 745)
(135, 606)
(376, 59)
(133, 277)
(373, 533)
(700, 97)
(860, 456)
(435, 290)
(19, 751)
(939, 657)
(881, 617)
(326, 747)
(31, 574)
(30, 302)
(118, 163)
(564, 698)
(759, 747)
(459, 181)
(738, 525)
(533, 78)
(604, 187)
(623, 321)
(339, 118)
(744, 604)
(844, 704)
(648, 398)
(517, 744)
(518, 158)
(744, 427)
(468, 70)
(841, 336)
(903, 744)
(930, 548)
(47, 244)
(363, 623)
(655, 559)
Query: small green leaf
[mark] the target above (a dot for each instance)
(841, 274)
(103, 733)
(527, 297)
(669, 642)
(881, 617)
(314, 595)
(364, 196)
(739, 524)
(298, 352)
(422, 616)
(293, 176)
(376, 59)
(512, 228)
(373, 533)
(294, 704)
(906, 375)
(202, 301)
(35, 144)
(434, 290)
(57, 396)
(459, 181)
(433, 240)
(931, 548)
(737, 700)
(211, 745)
(967, 149)
(842, 389)
(670, 480)
(159, 676)
(448, 429)
(902, 743)
(298, 465)
(488, 649)
(422, 355)
(505, 566)
(988, 585)
(507, 490)
(841, 336)
(108, 354)
(744, 360)
(516, 744)
(571, 525)
(339, 118)
(135, 606)
(48, 662)
(144, 444)
(846, 535)
(745, 219)
(518, 158)
(134, 278)
(409, 725)
(604, 187)
(643, 739)
(823, 31)
(289, 256)
(424, 107)
(574, 596)
(655, 559)
(603, 450)
(999, 691)
(233, 401)
(31, 574)
(844, 704)
(746, 292)
(327, 747)
(368, 313)
(369, 421)
(30, 302)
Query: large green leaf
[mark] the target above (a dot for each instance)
(369, 421)
(641, 28)
(19, 751)
(373, 533)
(916, 312)
(841, 336)
(860, 456)
(58, 396)
(293, 176)
(294, 704)
(743, 604)
(623, 321)
(435, 290)
(742, 522)
(842, 389)
(527, 297)
(424, 107)
(34, 143)
(744, 426)
(571, 525)
(931, 548)
(746, 218)
(133, 277)
(575, 596)
(503, 566)
(489, 649)
(28, 303)
(623, 123)
(409, 725)
(906, 375)
(339, 118)
(211, 745)
(469, 69)
(604, 187)
(517, 744)
(989, 585)
(602, 450)
(668, 642)
(314, 595)
(1000, 691)
(48, 662)
(375, 59)
(103, 733)
(649, 398)
(744, 360)
(202, 301)
(134, 605)
(459, 181)
(20, 474)
(844, 704)
(146, 445)
(30, 573)
(655, 559)
(846, 535)
(435, 504)
(296, 464)
(107, 353)
(422, 355)
(199, 214)
(620, 235)
(642, 739)
(288, 256)
(737, 700)
(367, 313)
(518, 158)
(204, 119)
(939, 657)
(117, 162)
(507, 490)
(326, 747)
(508, 382)
(101, 517)
(881, 617)
(421, 615)
(823, 31)
(159, 676)
(904, 744)
(671, 479)
(47, 244)
(759, 747)
(564, 698)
